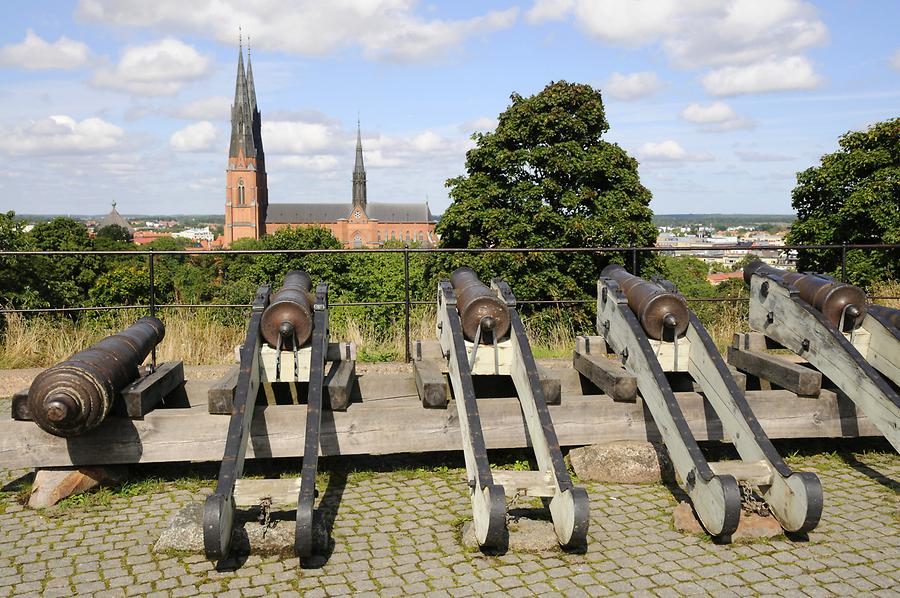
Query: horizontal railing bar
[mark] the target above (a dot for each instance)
(349, 304)
(218, 252)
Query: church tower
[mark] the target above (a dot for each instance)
(359, 176)
(246, 187)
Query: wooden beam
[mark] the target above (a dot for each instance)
(339, 384)
(431, 384)
(550, 384)
(19, 405)
(221, 392)
(144, 394)
(796, 378)
(607, 375)
(754, 341)
(391, 420)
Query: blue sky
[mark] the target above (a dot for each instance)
(721, 101)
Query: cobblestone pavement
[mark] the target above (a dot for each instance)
(396, 532)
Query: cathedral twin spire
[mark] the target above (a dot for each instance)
(246, 136)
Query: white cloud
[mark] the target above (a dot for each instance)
(298, 137)
(760, 40)
(696, 32)
(198, 137)
(793, 72)
(159, 68)
(62, 134)
(317, 163)
(716, 112)
(633, 86)
(386, 30)
(548, 10)
(716, 117)
(895, 60)
(754, 156)
(669, 151)
(35, 53)
(214, 108)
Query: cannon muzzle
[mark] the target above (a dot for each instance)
(660, 312)
(289, 316)
(479, 306)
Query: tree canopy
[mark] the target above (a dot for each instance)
(853, 196)
(546, 178)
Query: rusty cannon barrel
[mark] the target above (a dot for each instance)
(478, 306)
(74, 396)
(833, 298)
(658, 310)
(289, 315)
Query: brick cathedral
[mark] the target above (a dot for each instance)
(249, 215)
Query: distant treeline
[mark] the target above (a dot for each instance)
(723, 221)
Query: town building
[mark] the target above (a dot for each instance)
(114, 218)
(357, 223)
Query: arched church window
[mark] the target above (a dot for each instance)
(379, 235)
(393, 236)
(407, 236)
(357, 241)
(240, 192)
(421, 237)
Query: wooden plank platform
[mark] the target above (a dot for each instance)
(391, 419)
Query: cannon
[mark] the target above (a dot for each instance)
(484, 316)
(288, 320)
(472, 315)
(75, 396)
(657, 338)
(291, 319)
(844, 305)
(660, 312)
(828, 324)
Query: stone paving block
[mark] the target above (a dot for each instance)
(411, 546)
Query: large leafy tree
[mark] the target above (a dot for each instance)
(546, 178)
(853, 196)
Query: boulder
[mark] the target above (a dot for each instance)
(52, 485)
(626, 462)
(525, 534)
(185, 533)
(750, 526)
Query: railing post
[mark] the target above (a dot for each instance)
(152, 305)
(844, 262)
(406, 307)
(634, 263)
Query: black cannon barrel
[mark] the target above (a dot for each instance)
(829, 296)
(658, 310)
(478, 306)
(74, 396)
(888, 314)
(289, 315)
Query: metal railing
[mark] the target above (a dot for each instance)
(406, 251)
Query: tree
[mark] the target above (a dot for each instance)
(747, 259)
(17, 284)
(853, 196)
(63, 280)
(546, 178)
(114, 232)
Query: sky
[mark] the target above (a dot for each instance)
(722, 102)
